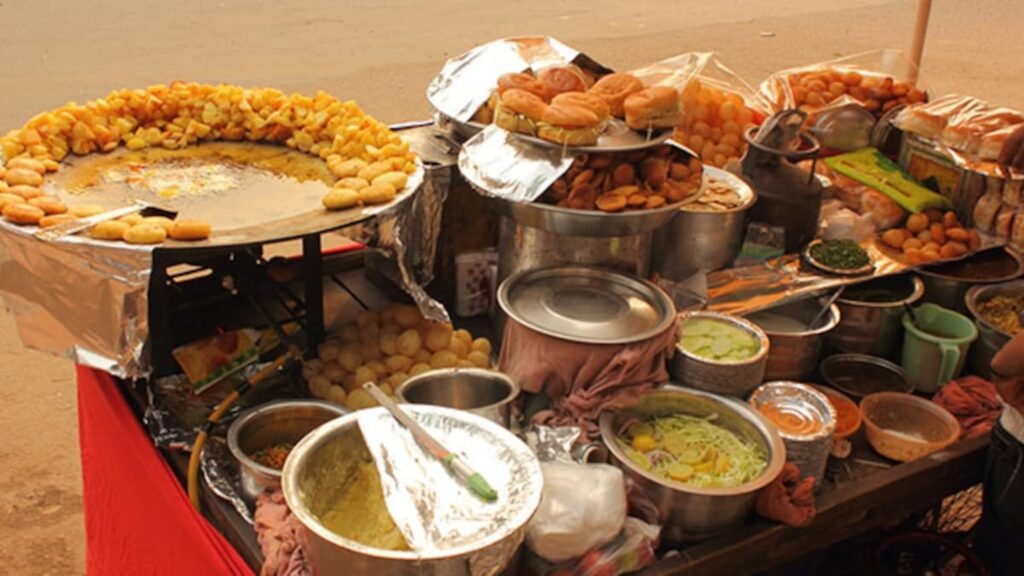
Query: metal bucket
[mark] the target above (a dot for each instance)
(482, 392)
(794, 355)
(990, 339)
(697, 240)
(870, 316)
(947, 284)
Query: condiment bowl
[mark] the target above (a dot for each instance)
(903, 427)
(848, 418)
(273, 423)
(859, 375)
(483, 392)
(721, 377)
(990, 338)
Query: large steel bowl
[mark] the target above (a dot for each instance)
(947, 284)
(737, 378)
(794, 355)
(691, 513)
(273, 423)
(870, 316)
(701, 240)
(990, 339)
(589, 223)
(320, 468)
(485, 393)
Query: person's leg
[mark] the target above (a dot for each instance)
(1000, 537)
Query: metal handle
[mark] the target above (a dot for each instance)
(68, 228)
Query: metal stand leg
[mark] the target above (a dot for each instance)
(312, 267)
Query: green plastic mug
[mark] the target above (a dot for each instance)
(935, 350)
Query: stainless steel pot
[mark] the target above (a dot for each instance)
(273, 423)
(870, 315)
(320, 468)
(697, 240)
(522, 247)
(691, 513)
(482, 392)
(589, 223)
(990, 339)
(947, 284)
(794, 355)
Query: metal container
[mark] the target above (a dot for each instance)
(990, 339)
(318, 471)
(729, 378)
(870, 316)
(590, 223)
(794, 354)
(699, 240)
(947, 284)
(482, 392)
(691, 513)
(859, 375)
(522, 247)
(286, 421)
(585, 304)
(801, 404)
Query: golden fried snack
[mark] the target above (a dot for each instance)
(131, 219)
(373, 170)
(25, 191)
(55, 219)
(377, 194)
(611, 202)
(86, 210)
(352, 183)
(345, 168)
(49, 204)
(8, 198)
(145, 233)
(24, 176)
(190, 230)
(23, 213)
(396, 179)
(341, 198)
(26, 164)
(162, 221)
(109, 230)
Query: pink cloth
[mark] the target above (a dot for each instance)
(788, 499)
(279, 534)
(583, 380)
(974, 403)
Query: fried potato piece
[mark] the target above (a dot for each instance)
(190, 230)
(49, 204)
(377, 194)
(341, 199)
(109, 230)
(145, 233)
(23, 214)
(86, 210)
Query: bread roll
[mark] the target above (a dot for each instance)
(519, 111)
(559, 79)
(614, 89)
(656, 107)
(569, 125)
(589, 101)
(522, 81)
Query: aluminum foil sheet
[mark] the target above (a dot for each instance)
(467, 81)
(553, 444)
(76, 299)
(501, 165)
(808, 451)
(220, 471)
(788, 279)
(435, 511)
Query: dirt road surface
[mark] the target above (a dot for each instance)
(383, 54)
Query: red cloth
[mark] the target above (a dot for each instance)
(138, 519)
(583, 380)
(788, 499)
(974, 403)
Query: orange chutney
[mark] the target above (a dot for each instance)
(790, 421)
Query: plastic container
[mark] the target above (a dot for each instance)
(903, 427)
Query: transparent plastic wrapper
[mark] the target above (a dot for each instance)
(571, 521)
(632, 550)
(717, 104)
(875, 80)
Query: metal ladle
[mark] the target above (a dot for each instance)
(828, 306)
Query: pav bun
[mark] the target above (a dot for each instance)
(595, 104)
(519, 111)
(569, 125)
(614, 89)
(656, 107)
(522, 81)
(559, 79)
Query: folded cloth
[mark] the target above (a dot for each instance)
(278, 533)
(974, 402)
(583, 380)
(788, 499)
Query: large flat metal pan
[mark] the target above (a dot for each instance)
(250, 193)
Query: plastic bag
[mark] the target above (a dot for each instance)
(969, 126)
(875, 80)
(571, 520)
(718, 105)
(633, 549)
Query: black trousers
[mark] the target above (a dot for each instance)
(1000, 537)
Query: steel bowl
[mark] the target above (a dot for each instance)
(864, 270)
(794, 355)
(859, 375)
(691, 513)
(482, 392)
(272, 423)
(990, 339)
(698, 240)
(729, 378)
(870, 315)
(319, 469)
(947, 284)
(590, 223)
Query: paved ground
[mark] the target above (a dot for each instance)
(382, 54)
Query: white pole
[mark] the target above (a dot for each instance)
(924, 8)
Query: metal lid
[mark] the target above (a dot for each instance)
(585, 304)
